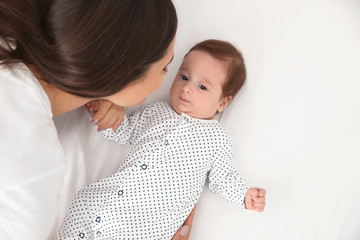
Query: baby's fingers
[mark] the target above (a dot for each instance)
(93, 105)
(102, 110)
(112, 118)
(258, 206)
(105, 123)
(259, 199)
(262, 192)
(118, 123)
(255, 199)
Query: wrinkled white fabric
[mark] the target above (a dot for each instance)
(32, 160)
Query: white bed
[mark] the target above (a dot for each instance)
(295, 124)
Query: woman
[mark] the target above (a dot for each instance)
(56, 56)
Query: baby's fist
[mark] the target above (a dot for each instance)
(255, 199)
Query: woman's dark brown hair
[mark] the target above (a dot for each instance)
(90, 48)
(225, 51)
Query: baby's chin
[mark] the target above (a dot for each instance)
(192, 114)
(177, 110)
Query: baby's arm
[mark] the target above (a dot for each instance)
(105, 114)
(226, 181)
(130, 126)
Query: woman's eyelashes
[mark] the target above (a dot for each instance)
(165, 69)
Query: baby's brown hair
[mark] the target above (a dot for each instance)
(225, 51)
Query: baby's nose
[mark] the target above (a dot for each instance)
(188, 88)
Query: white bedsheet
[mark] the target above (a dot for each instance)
(295, 124)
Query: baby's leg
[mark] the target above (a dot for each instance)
(80, 218)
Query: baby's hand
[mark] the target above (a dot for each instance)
(255, 199)
(105, 114)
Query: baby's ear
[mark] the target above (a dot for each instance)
(224, 102)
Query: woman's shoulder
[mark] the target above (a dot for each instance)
(27, 131)
(24, 101)
(20, 88)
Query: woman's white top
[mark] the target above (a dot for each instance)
(161, 179)
(32, 161)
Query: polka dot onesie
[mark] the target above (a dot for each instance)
(152, 193)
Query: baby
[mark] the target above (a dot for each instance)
(175, 147)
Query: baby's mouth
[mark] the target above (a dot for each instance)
(183, 99)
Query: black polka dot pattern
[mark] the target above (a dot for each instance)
(151, 194)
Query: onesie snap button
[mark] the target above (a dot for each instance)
(82, 235)
(166, 142)
(120, 192)
(144, 167)
(98, 233)
(186, 119)
(98, 219)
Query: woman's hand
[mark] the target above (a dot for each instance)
(184, 232)
(255, 199)
(105, 114)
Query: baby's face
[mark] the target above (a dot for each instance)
(197, 88)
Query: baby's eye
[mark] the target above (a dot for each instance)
(183, 77)
(202, 87)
